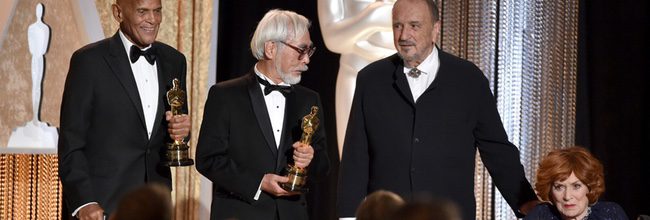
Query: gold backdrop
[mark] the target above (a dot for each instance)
(29, 185)
(15, 63)
(186, 27)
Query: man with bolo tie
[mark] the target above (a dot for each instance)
(418, 118)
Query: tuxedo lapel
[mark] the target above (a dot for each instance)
(261, 113)
(119, 63)
(163, 82)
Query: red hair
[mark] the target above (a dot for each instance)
(558, 166)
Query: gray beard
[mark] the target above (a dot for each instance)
(405, 59)
(287, 78)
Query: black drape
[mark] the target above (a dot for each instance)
(612, 106)
(237, 22)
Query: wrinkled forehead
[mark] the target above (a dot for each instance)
(150, 4)
(411, 10)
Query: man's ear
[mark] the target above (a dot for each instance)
(270, 49)
(435, 32)
(117, 12)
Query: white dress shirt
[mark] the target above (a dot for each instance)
(275, 103)
(146, 78)
(429, 68)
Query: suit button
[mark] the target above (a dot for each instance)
(416, 140)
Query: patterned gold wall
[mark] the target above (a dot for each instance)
(29, 186)
(15, 64)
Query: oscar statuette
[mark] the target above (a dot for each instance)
(298, 175)
(178, 151)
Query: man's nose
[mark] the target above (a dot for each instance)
(404, 34)
(306, 59)
(150, 17)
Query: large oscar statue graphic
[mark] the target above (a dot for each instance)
(35, 133)
(178, 151)
(298, 175)
(361, 31)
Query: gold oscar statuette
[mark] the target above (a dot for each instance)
(178, 151)
(297, 175)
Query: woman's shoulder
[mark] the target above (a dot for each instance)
(544, 211)
(607, 210)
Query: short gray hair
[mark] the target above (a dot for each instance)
(277, 25)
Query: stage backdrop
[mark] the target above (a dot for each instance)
(526, 48)
(29, 186)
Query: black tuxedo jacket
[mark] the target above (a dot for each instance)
(104, 150)
(426, 147)
(237, 147)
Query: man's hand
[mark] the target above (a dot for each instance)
(302, 154)
(271, 185)
(178, 125)
(528, 206)
(91, 212)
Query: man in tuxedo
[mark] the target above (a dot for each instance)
(417, 120)
(113, 120)
(252, 126)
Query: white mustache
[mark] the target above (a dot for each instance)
(303, 69)
(406, 43)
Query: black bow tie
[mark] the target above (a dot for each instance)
(149, 54)
(268, 88)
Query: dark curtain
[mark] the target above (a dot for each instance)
(612, 104)
(237, 22)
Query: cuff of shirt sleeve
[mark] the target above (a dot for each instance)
(84, 205)
(259, 191)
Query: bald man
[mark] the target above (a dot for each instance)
(114, 123)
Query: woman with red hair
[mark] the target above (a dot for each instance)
(571, 181)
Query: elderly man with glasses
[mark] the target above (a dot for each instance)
(252, 127)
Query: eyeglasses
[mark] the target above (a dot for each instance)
(309, 51)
